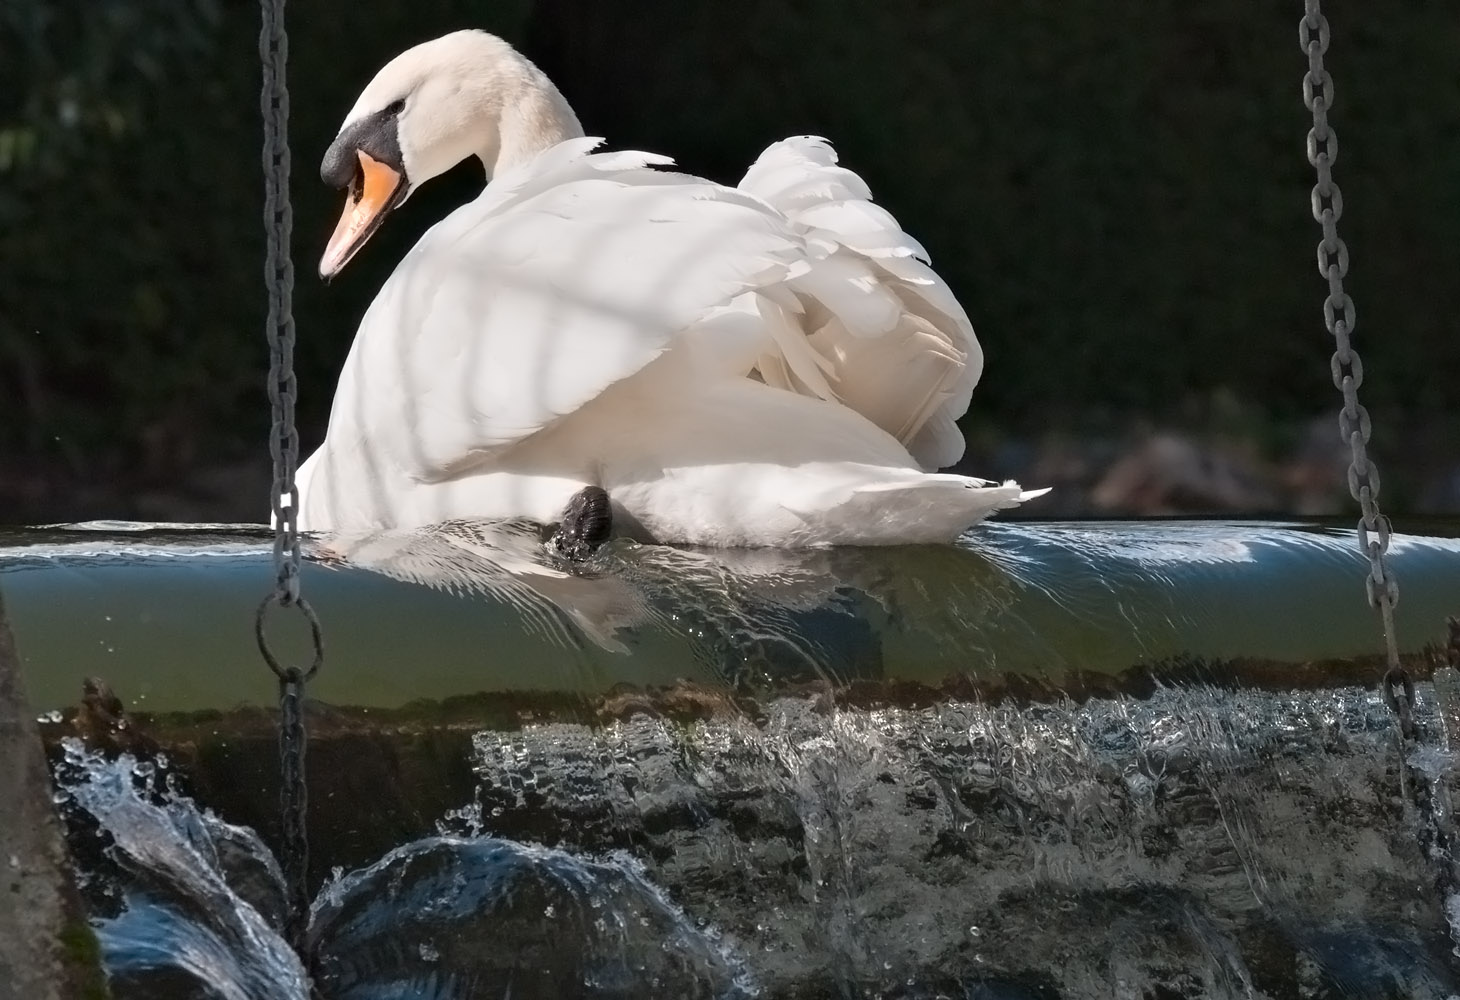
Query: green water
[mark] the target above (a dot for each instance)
(165, 614)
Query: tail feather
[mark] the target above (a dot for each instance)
(920, 509)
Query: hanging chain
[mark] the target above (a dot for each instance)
(1347, 367)
(279, 276)
(284, 448)
(1434, 831)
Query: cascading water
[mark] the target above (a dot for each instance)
(190, 907)
(1196, 844)
(458, 918)
(833, 775)
(186, 905)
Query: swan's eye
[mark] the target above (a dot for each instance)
(395, 107)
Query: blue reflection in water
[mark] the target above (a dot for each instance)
(455, 918)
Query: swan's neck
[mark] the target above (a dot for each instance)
(533, 116)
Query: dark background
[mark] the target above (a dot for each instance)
(1116, 190)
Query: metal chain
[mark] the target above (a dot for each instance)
(279, 276)
(284, 448)
(295, 795)
(1347, 368)
(1434, 831)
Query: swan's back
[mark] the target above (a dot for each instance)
(588, 319)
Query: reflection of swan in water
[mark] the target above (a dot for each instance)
(505, 561)
(1006, 598)
(816, 602)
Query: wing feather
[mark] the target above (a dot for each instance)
(895, 344)
(524, 305)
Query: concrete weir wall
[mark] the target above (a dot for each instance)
(47, 949)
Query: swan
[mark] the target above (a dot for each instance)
(772, 364)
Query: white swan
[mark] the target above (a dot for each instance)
(764, 365)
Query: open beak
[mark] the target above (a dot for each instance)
(376, 190)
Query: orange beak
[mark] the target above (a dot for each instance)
(377, 189)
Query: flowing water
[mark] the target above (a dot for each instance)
(165, 614)
(778, 775)
(1195, 844)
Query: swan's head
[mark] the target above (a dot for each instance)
(465, 94)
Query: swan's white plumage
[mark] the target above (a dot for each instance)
(522, 308)
(769, 364)
(902, 349)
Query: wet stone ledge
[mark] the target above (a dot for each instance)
(47, 950)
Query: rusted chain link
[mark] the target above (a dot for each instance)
(284, 448)
(1346, 365)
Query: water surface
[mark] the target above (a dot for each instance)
(165, 613)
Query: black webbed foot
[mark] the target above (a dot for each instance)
(586, 525)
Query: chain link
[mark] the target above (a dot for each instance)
(1340, 316)
(284, 449)
(316, 637)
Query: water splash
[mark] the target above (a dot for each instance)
(187, 906)
(185, 884)
(453, 919)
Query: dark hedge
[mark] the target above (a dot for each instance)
(1117, 190)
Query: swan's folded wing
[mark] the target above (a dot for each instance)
(531, 301)
(896, 345)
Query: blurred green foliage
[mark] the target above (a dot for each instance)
(1117, 191)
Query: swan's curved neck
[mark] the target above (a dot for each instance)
(533, 116)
